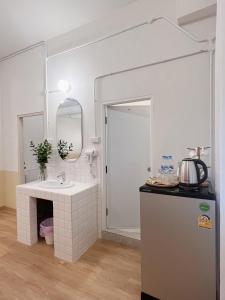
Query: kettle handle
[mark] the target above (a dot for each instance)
(205, 169)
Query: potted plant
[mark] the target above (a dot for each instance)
(42, 152)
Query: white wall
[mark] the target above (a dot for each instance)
(188, 6)
(22, 92)
(22, 85)
(180, 103)
(21, 78)
(133, 14)
(142, 46)
(220, 136)
(145, 45)
(192, 10)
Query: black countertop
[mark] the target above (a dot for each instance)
(201, 193)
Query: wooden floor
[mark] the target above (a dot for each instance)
(108, 271)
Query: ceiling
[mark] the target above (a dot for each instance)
(27, 22)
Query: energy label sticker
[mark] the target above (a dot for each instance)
(204, 206)
(204, 221)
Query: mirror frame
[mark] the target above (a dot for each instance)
(82, 137)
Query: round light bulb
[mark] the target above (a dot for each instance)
(63, 86)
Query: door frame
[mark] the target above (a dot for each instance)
(20, 118)
(103, 164)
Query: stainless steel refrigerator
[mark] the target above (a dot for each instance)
(178, 237)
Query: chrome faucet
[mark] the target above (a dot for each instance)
(61, 177)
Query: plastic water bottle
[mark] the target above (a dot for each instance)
(170, 164)
(164, 165)
(167, 169)
(172, 179)
(163, 169)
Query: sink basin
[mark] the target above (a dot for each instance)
(55, 184)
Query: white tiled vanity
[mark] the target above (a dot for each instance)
(74, 212)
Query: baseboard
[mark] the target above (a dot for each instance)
(123, 240)
(147, 297)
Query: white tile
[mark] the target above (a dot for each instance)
(75, 220)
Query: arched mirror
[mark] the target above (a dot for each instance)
(69, 130)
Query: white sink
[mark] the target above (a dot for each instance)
(55, 184)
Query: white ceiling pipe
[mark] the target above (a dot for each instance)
(11, 55)
(154, 19)
(149, 22)
(187, 33)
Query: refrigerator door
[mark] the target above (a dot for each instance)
(178, 247)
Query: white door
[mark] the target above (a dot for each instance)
(128, 161)
(33, 130)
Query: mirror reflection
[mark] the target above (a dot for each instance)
(69, 129)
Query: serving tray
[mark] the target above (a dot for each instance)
(161, 185)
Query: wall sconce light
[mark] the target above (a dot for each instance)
(63, 86)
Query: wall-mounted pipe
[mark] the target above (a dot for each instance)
(101, 39)
(149, 22)
(138, 68)
(187, 33)
(210, 49)
(212, 112)
(11, 55)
